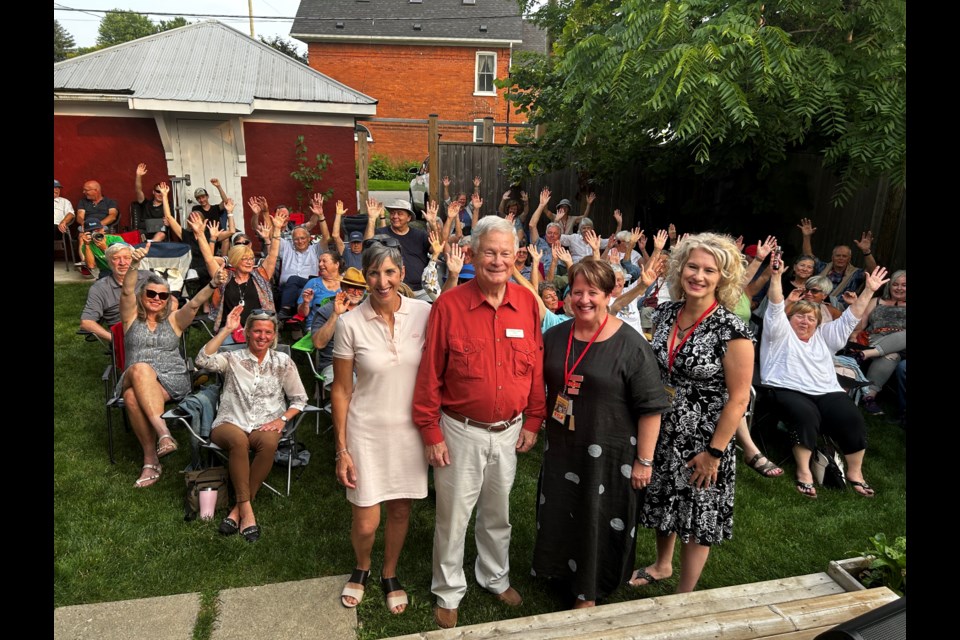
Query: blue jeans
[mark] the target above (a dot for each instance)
(290, 291)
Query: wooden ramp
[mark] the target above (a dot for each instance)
(796, 608)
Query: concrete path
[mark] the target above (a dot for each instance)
(289, 610)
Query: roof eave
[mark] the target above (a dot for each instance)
(236, 108)
(411, 40)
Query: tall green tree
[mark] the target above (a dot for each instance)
(718, 82)
(62, 42)
(284, 46)
(118, 26)
(166, 25)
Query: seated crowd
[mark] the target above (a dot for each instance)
(375, 300)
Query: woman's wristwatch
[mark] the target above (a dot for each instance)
(713, 451)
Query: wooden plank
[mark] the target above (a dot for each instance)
(604, 619)
(805, 634)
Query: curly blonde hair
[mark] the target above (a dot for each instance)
(729, 260)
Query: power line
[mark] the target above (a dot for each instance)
(61, 7)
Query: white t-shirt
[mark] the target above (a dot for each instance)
(789, 363)
(61, 209)
(579, 249)
(630, 314)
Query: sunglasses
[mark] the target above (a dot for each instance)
(157, 191)
(241, 243)
(815, 291)
(262, 314)
(163, 295)
(386, 241)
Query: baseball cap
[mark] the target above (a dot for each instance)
(92, 224)
(355, 236)
(200, 192)
(56, 183)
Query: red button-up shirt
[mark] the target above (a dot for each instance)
(481, 362)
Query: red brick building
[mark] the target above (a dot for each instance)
(418, 57)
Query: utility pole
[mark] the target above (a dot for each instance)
(250, 11)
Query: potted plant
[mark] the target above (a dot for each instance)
(882, 564)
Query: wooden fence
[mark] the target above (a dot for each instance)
(739, 202)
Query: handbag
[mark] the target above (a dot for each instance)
(826, 465)
(239, 336)
(211, 477)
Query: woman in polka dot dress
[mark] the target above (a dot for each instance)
(604, 390)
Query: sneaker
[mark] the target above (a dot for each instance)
(871, 407)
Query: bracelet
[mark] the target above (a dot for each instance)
(341, 452)
(866, 253)
(644, 462)
(210, 284)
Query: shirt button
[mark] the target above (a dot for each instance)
(498, 339)
(499, 363)
(499, 387)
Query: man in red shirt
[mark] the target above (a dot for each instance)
(479, 400)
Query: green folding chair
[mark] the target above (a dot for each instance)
(321, 385)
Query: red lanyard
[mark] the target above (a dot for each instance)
(569, 372)
(673, 351)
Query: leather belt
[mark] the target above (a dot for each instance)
(495, 427)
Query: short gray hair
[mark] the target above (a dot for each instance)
(253, 317)
(376, 254)
(555, 224)
(819, 282)
(586, 222)
(116, 248)
(492, 224)
(623, 236)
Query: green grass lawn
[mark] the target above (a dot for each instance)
(114, 542)
(386, 185)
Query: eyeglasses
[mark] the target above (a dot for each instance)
(354, 287)
(386, 241)
(262, 314)
(163, 295)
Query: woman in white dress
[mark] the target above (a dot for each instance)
(379, 452)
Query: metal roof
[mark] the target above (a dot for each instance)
(204, 62)
(317, 20)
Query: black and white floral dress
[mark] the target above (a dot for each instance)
(671, 504)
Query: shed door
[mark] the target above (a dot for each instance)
(207, 150)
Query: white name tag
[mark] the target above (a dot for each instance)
(514, 333)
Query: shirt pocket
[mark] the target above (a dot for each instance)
(523, 358)
(466, 354)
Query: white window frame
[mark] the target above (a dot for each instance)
(476, 74)
(478, 130)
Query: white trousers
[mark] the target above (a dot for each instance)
(481, 471)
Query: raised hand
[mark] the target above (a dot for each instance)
(279, 220)
(453, 210)
(214, 227)
(141, 169)
(232, 322)
(476, 201)
(341, 304)
(374, 208)
(215, 182)
(139, 254)
(559, 215)
(849, 297)
(765, 247)
(263, 229)
(561, 253)
(431, 212)
(660, 240)
(672, 231)
(652, 270)
(796, 295)
(219, 278)
(164, 189)
(535, 254)
(506, 194)
(454, 259)
(806, 227)
(509, 217)
(523, 196)
(316, 204)
(262, 201)
(637, 238)
(544, 196)
(436, 243)
(683, 237)
(196, 224)
(591, 238)
(876, 279)
(341, 210)
(254, 203)
(616, 213)
(307, 295)
(593, 196)
(228, 205)
(476, 182)
(866, 241)
(739, 243)
(446, 181)
(613, 255)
